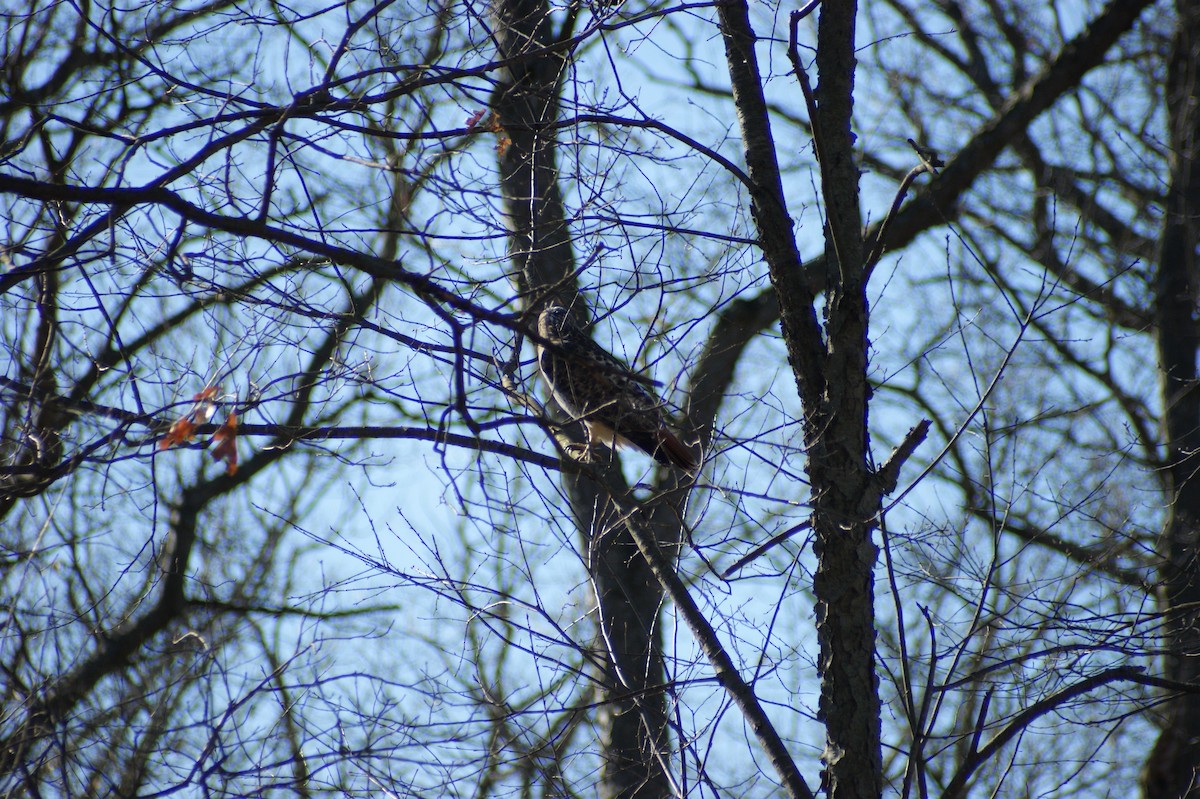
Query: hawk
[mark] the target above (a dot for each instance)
(598, 390)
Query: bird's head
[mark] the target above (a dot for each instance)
(555, 323)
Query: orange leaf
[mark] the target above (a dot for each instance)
(204, 408)
(226, 448)
(184, 427)
(180, 433)
(473, 120)
(227, 430)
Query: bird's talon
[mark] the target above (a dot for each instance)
(580, 452)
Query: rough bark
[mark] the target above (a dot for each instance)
(526, 104)
(845, 499)
(830, 370)
(798, 317)
(1171, 770)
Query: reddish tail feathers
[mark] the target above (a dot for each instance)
(673, 452)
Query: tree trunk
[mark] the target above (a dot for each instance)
(628, 598)
(830, 371)
(1172, 767)
(845, 498)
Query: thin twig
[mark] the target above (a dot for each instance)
(901, 193)
(762, 549)
(957, 785)
(724, 669)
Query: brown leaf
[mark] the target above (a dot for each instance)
(180, 433)
(226, 444)
(473, 120)
(184, 428)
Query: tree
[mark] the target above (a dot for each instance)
(319, 256)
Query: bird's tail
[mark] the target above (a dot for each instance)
(673, 452)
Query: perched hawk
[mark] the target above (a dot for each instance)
(597, 389)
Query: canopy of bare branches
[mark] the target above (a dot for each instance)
(286, 507)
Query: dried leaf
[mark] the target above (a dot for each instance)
(204, 408)
(226, 444)
(473, 120)
(184, 428)
(180, 433)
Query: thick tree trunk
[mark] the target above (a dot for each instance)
(1172, 768)
(628, 598)
(845, 497)
(830, 371)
